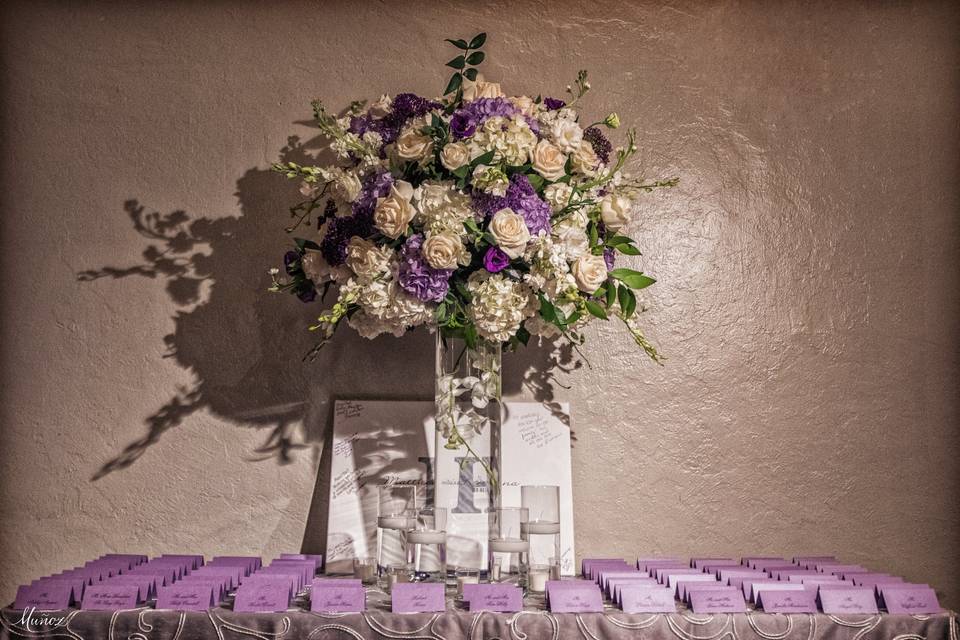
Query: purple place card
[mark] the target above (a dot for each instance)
(337, 582)
(291, 574)
(232, 574)
(194, 561)
(748, 583)
(217, 583)
(847, 600)
(909, 598)
(750, 561)
(501, 598)
(288, 581)
(652, 565)
(617, 584)
(45, 595)
(647, 599)
(586, 563)
(179, 568)
(307, 568)
(872, 580)
(107, 597)
(418, 597)
(329, 598)
(705, 563)
(264, 596)
(605, 576)
(685, 582)
(774, 586)
(77, 584)
(187, 596)
(725, 573)
(717, 600)
(797, 575)
(250, 563)
(144, 586)
(663, 575)
(779, 601)
(577, 598)
(611, 582)
(164, 575)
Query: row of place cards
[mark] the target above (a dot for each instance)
(774, 585)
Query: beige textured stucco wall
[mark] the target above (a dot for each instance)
(808, 264)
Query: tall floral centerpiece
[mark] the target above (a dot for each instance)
(486, 218)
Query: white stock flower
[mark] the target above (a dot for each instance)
(616, 211)
(548, 160)
(394, 213)
(454, 155)
(510, 231)
(590, 272)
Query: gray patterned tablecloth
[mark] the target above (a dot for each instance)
(532, 624)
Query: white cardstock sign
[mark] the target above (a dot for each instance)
(381, 442)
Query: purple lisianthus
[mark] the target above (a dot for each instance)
(418, 278)
(552, 104)
(495, 260)
(609, 258)
(462, 125)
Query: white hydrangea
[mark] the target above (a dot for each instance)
(386, 308)
(499, 305)
(549, 269)
(511, 139)
(441, 207)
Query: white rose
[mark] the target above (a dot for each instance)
(585, 159)
(454, 155)
(572, 238)
(443, 250)
(381, 107)
(567, 135)
(394, 212)
(590, 272)
(480, 88)
(366, 259)
(413, 145)
(558, 195)
(510, 231)
(346, 186)
(548, 160)
(615, 211)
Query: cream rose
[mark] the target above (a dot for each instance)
(567, 135)
(394, 212)
(480, 88)
(346, 186)
(454, 155)
(413, 145)
(366, 259)
(585, 159)
(443, 250)
(525, 104)
(590, 272)
(615, 211)
(510, 231)
(548, 160)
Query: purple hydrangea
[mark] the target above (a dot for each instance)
(495, 260)
(552, 104)
(522, 198)
(601, 146)
(418, 278)
(404, 107)
(466, 119)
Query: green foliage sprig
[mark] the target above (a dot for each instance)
(465, 63)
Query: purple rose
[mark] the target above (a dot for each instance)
(495, 260)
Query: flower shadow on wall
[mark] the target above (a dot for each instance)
(243, 346)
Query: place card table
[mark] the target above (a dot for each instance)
(378, 623)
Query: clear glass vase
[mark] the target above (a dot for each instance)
(469, 415)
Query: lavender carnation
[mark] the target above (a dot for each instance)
(418, 278)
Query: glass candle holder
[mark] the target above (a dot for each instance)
(396, 574)
(396, 516)
(537, 577)
(428, 544)
(542, 528)
(365, 569)
(508, 549)
(466, 576)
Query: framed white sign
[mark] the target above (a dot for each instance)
(380, 442)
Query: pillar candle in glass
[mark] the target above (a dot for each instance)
(507, 547)
(395, 518)
(542, 529)
(428, 543)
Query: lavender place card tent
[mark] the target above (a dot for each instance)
(378, 442)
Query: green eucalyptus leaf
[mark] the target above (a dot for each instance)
(478, 40)
(596, 310)
(454, 84)
(475, 58)
(459, 44)
(457, 63)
